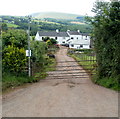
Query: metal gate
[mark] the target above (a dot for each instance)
(81, 66)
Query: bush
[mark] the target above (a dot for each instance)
(14, 59)
(39, 49)
(50, 41)
(18, 38)
(106, 37)
(108, 82)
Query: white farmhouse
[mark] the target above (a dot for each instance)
(79, 40)
(61, 37)
(75, 39)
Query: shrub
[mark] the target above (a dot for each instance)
(106, 37)
(38, 52)
(16, 37)
(14, 59)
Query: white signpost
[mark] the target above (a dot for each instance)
(28, 53)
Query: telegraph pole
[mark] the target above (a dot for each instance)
(1, 29)
(1, 56)
(29, 51)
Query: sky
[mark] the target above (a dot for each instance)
(26, 7)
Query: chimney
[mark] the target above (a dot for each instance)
(57, 30)
(78, 31)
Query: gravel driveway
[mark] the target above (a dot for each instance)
(62, 94)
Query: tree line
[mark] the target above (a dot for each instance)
(37, 24)
(106, 37)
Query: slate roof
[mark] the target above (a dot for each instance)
(85, 34)
(74, 33)
(61, 34)
(54, 34)
(78, 33)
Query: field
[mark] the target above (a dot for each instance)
(12, 25)
(87, 59)
(77, 22)
(48, 23)
(55, 15)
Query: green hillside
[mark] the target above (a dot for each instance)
(56, 15)
(47, 24)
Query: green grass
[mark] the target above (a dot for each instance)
(12, 25)
(86, 61)
(90, 67)
(9, 80)
(51, 66)
(56, 15)
(108, 82)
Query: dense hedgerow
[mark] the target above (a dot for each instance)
(14, 59)
(106, 36)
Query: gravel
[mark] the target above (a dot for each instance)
(62, 95)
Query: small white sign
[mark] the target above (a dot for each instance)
(28, 53)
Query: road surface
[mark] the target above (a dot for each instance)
(62, 94)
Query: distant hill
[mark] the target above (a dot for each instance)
(56, 15)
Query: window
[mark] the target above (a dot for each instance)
(42, 38)
(56, 38)
(63, 42)
(81, 46)
(72, 45)
(77, 37)
(72, 38)
(63, 37)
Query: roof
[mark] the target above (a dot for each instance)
(78, 33)
(61, 34)
(54, 33)
(85, 34)
(74, 33)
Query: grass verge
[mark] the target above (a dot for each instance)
(51, 66)
(108, 82)
(90, 67)
(11, 81)
(87, 62)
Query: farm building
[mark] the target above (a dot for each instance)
(74, 39)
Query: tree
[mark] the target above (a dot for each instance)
(50, 41)
(4, 27)
(38, 51)
(16, 37)
(106, 35)
(53, 41)
(45, 38)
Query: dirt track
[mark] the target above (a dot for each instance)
(59, 95)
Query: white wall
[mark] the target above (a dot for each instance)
(76, 41)
(62, 40)
(75, 37)
(37, 37)
(78, 46)
(86, 46)
(80, 42)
